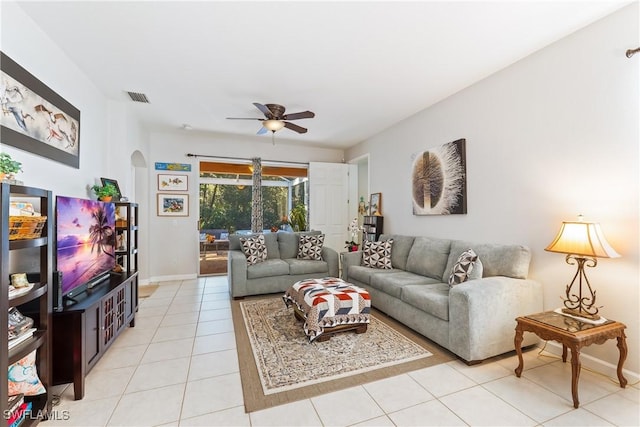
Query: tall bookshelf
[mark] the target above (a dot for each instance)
(372, 227)
(37, 303)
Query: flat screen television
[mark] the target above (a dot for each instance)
(85, 242)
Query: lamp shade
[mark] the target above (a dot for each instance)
(273, 125)
(582, 238)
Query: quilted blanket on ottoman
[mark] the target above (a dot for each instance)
(327, 303)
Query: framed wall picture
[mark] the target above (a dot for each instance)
(173, 204)
(113, 182)
(171, 182)
(375, 204)
(439, 180)
(36, 119)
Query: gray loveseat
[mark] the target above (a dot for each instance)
(281, 269)
(474, 319)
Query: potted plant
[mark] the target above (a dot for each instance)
(8, 166)
(351, 245)
(353, 229)
(298, 218)
(106, 192)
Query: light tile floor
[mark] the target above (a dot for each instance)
(179, 366)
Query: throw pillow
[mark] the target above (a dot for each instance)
(23, 377)
(254, 249)
(463, 267)
(377, 254)
(310, 247)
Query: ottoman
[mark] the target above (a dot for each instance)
(329, 305)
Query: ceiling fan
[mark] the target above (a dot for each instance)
(275, 119)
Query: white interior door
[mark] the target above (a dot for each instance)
(331, 189)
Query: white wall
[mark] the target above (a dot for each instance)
(108, 135)
(26, 44)
(548, 138)
(173, 244)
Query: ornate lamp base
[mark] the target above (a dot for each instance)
(582, 304)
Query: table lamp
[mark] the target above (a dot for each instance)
(583, 242)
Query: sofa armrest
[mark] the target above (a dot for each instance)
(482, 314)
(349, 259)
(237, 273)
(331, 257)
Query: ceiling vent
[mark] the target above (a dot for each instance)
(138, 97)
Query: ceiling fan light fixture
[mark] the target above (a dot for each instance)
(273, 125)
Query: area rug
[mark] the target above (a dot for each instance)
(278, 365)
(145, 291)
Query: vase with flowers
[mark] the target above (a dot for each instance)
(354, 229)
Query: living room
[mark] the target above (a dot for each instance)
(549, 137)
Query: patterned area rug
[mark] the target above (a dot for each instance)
(286, 367)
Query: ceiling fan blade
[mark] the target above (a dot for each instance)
(243, 118)
(265, 110)
(295, 128)
(300, 115)
(262, 131)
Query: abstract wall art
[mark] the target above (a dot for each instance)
(439, 180)
(35, 118)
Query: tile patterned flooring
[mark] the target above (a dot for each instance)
(179, 367)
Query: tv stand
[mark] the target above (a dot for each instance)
(84, 330)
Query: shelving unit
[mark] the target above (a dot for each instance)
(372, 227)
(127, 236)
(36, 303)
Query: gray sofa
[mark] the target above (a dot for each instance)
(281, 269)
(474, 319)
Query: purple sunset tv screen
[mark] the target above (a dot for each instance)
(85, 235)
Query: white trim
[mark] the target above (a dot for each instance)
(593, 363)
(189, 276)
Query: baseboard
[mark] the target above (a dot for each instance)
(592, 363)
(174, 277)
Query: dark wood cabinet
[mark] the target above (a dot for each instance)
(84, 331)
(38, 254)
(372, 227)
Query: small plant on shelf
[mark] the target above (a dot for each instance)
(8, 166)
(106, 192)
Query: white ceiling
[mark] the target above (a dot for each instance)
(360, 66)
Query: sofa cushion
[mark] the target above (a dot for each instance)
(428, 257)
(310, 247)
(288, 242)
(254, 249)
(497, 259)
(432, 299)
(377, 254)
(268, 268)
(393, 281)
(399, 249)
(464, 268)
(270, 240)
(304, 266)
(363, 274)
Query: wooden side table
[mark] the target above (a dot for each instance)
(574, 334)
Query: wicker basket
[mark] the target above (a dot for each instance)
(26, 227)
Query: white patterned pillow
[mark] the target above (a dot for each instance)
(466, 267)
(310, 247)
(254, 248)
(377, 254)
